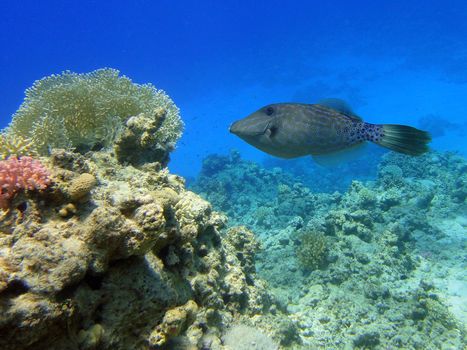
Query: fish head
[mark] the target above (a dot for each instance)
(264, 130)
(257, 127)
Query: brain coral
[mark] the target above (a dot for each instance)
(83, 111)
(81, 186)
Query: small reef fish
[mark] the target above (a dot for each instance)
(290, 130)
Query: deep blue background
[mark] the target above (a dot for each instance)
(395, 61)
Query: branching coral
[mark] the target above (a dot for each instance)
(21, 174)
(82, 111)
(15, 146)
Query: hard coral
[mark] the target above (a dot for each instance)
(17, 174)
(85, 111)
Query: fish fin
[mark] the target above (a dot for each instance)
(335, 159)
(340, 106)
(405, 139)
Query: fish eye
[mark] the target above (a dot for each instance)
(269, 111)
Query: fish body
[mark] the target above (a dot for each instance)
(290, 130)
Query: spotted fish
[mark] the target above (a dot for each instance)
(290, 130)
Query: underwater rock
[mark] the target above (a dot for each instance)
(368, 340)
(172, 323)
(90, 338)
(245, 245)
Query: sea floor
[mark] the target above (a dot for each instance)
(392, 273)
(445, 261)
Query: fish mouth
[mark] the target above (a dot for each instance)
(233, 128)
(242, 128)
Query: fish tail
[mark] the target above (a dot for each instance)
(400, 138)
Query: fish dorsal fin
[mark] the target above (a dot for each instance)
(340, 106)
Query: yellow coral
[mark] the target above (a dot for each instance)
(15, 146)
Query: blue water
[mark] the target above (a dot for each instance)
(401, 62)
(394, 61)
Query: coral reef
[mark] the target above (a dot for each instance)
(116, 253)
(135, 262)
(392, 276)
(333, 177)
(173, 322)
(138, 144)
(102, 248)
(88, 111)
(250, 194)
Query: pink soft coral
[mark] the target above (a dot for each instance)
(18, 174)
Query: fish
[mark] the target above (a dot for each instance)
(326, 128)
